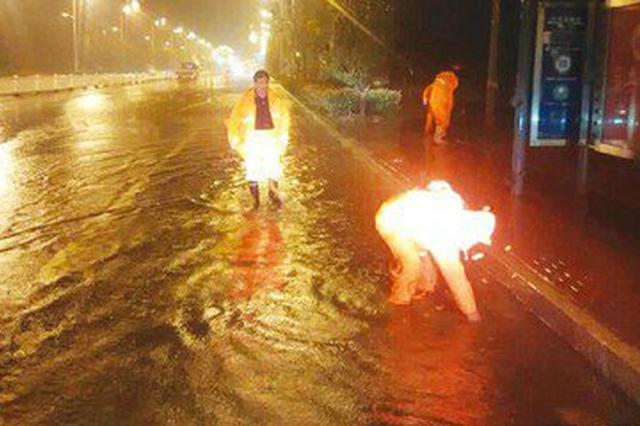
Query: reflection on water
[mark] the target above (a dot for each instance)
(6, 170)
(261, 251)
(151, 299)
(8, 189)
(88, 102)
(92, 117)
(432, 378)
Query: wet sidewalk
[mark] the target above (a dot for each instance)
(573, 242)
(576, 245)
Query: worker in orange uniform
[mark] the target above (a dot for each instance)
(258, 129)
(425, 224)
(438, 98)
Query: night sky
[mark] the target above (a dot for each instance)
(437, 33)
(219, 21)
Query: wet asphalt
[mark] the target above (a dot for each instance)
(138, 288)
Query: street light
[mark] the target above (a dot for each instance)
(129, 9)
(73, 18)
(266, 14)
(160, 22)
(254, 38)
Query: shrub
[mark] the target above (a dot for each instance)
(344, 101)
(383, 101)
(340, 102)
(333, 101)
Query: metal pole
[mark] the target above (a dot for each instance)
(523, 88)
(293, 46)
(85, 35)
(587, 100)
(492, 76)
(122, 25)
(76, 62)
(283, 45)
(153, 44)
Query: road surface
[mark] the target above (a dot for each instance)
(138, 289)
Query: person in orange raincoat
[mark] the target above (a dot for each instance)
(421, 226)
(258, 129)
(438, 98)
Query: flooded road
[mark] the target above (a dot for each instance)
(138, 289)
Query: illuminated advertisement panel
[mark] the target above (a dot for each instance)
(558, 73)
(620, 132)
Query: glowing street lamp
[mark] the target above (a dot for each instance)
(254, 38)
(264, 45)
(76, 34)
(160, 22)
(129, 9)
(266, 14)
(222, 54)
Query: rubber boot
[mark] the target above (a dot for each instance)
(440, 135)
(254, 188)
(273, 193)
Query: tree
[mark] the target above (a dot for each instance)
(359, 56)
(330, 35)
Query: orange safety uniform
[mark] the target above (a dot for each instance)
(422, 226)
(262, 150)
(438, 97)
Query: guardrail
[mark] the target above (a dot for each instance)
(20, 85)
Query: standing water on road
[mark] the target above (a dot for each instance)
(139, 288)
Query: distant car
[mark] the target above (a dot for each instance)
(188, 71)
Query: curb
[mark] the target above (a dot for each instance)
(71, 89)
(616, 360)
